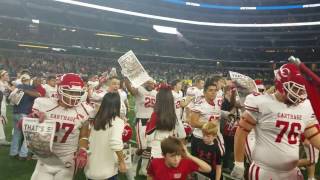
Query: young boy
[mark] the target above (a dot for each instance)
(208, 150)
(176, 163)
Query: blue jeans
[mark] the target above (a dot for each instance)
(17, 137)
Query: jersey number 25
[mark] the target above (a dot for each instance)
(149, 102)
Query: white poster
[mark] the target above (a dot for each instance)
(133, 70)
(39, 136)
(16, 96)
(245, 85)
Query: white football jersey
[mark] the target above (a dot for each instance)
(178, 97)
(68, 124)
(51, 92)
(193, 92)
(208, 112)
(145, 101)
(277, 131)
(98, 95)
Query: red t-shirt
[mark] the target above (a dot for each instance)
(159, 171)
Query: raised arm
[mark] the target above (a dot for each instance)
(132, 90)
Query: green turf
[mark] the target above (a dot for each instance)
(13, 169)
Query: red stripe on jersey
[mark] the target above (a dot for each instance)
(251, 171)
(257, 173)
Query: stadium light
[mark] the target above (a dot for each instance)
(165, 29)
(33, 46)
(140, 39)
(192, 4)
(108, 35)
(185, 21)
(35, 21)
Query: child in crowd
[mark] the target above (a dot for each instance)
(177, 162)
(209, 151)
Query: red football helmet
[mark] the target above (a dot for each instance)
(291, 83)
(127, 133)
(187, 129)
(71, 89)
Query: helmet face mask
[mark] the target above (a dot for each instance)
(71, 89)
(291, 84)
(296, 93)
(71, 97)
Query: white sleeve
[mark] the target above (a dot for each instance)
(97, 96)
(252, 106)
(116, 143)
(37, 105)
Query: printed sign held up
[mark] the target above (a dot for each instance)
(133, 70)
(245, 85)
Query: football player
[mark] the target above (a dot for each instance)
(51, 87)
(278, 119)
(70, 144)
(179, 101)
(145, 99)
(193, 93)
(206, 108)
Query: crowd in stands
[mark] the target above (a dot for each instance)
(41, 64)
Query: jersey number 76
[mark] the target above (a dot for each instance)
(293, 131)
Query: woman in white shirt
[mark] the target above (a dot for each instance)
(106, 156)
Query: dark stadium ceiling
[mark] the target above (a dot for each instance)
(288, 39)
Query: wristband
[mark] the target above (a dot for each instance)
(239, 164)
(84, 138)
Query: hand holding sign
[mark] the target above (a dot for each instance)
(133, 70)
